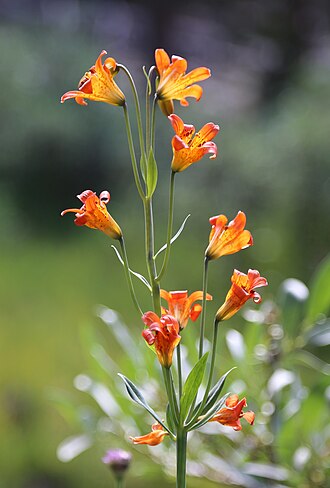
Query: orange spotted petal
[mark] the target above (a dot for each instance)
(242, 289)
(98, 84)
(228, 239)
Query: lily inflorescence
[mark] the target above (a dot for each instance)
(166, 322)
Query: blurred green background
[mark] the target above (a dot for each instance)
(269, 92)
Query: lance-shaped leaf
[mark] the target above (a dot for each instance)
(152, 174)
(138, 398)
(212, 397)
(205, 418)
(192, 385)
(174, 238)
(138, 275)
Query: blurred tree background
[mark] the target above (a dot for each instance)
(269, 92)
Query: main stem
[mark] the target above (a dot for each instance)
(202, 326)
(181, 458)
(168, 380)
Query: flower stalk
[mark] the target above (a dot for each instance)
(203, 314)
(169, 227)
(132, 154)
(128, 276)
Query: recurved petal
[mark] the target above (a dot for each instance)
(178, 144)
(73, 94)
(249, 417)
(177, 123)
(194, 91)
(232, 400)
(85, 194)
(98, 64)
(255, 279)
(149, 317)
(195, 312)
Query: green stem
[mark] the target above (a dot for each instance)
(120, 482)
(128, 276)
(202, 323)
(209, 382)
(150, 252)
(137, 107)
(178, 356)
(169, 385)
(132, 153)
(181, 458)
(169, 227)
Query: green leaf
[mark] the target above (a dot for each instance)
(152, 174)
(191, 386)
(319, 299)
(138, 398)
(218, 406)
(134, 273)
(213, 394)
(174, 238)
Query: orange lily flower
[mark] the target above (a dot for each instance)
(164, 333)
(187, 148)
(98, 85)
(227, 239)
(182, 307)
(174, 83)
(242, 289)
(155, 437)
(231, 414)
(94, 213)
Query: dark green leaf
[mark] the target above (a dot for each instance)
(138, 398)
(152, 174)
(213, 394)
(191, 386)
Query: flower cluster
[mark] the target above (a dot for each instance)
(165, 325)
